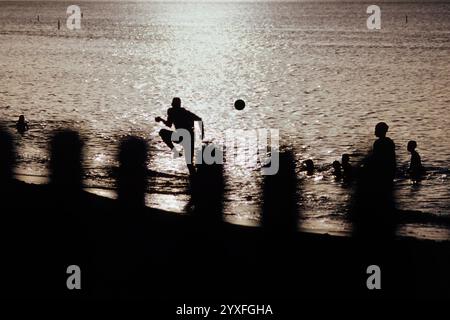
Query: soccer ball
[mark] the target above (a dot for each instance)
(239, 104)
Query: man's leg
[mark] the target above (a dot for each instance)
(166, 136)
(190, 165)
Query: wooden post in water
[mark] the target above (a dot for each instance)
(132, 174)
(208, 186)
(280, 216)
(66, 161)
(280, 211)
(6, 159)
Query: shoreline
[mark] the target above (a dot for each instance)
(406, 216)
(410, 216)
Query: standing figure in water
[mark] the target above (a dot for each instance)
(182, 119)
(384, 161)
(22, 125)
(416, 169)
(375, 205)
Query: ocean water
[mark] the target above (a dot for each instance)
(312, 70)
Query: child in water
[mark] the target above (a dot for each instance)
(337, 170)
(309, 167)
(22, 125)
(415, 167)
(347, 168)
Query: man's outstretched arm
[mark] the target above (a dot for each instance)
(166, 122)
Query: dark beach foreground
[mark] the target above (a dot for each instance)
(126, 250)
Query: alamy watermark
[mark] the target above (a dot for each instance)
(374, 20)
(75, 16)
(74, 279)
(74, 19)
(374, 280)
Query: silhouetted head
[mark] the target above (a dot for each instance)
(381, 129)
(309, 166)
(412, 145)
(22, 119)
(345, 158)
(336, 165)
(176, 102)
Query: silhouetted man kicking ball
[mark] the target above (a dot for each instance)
(182, 119)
